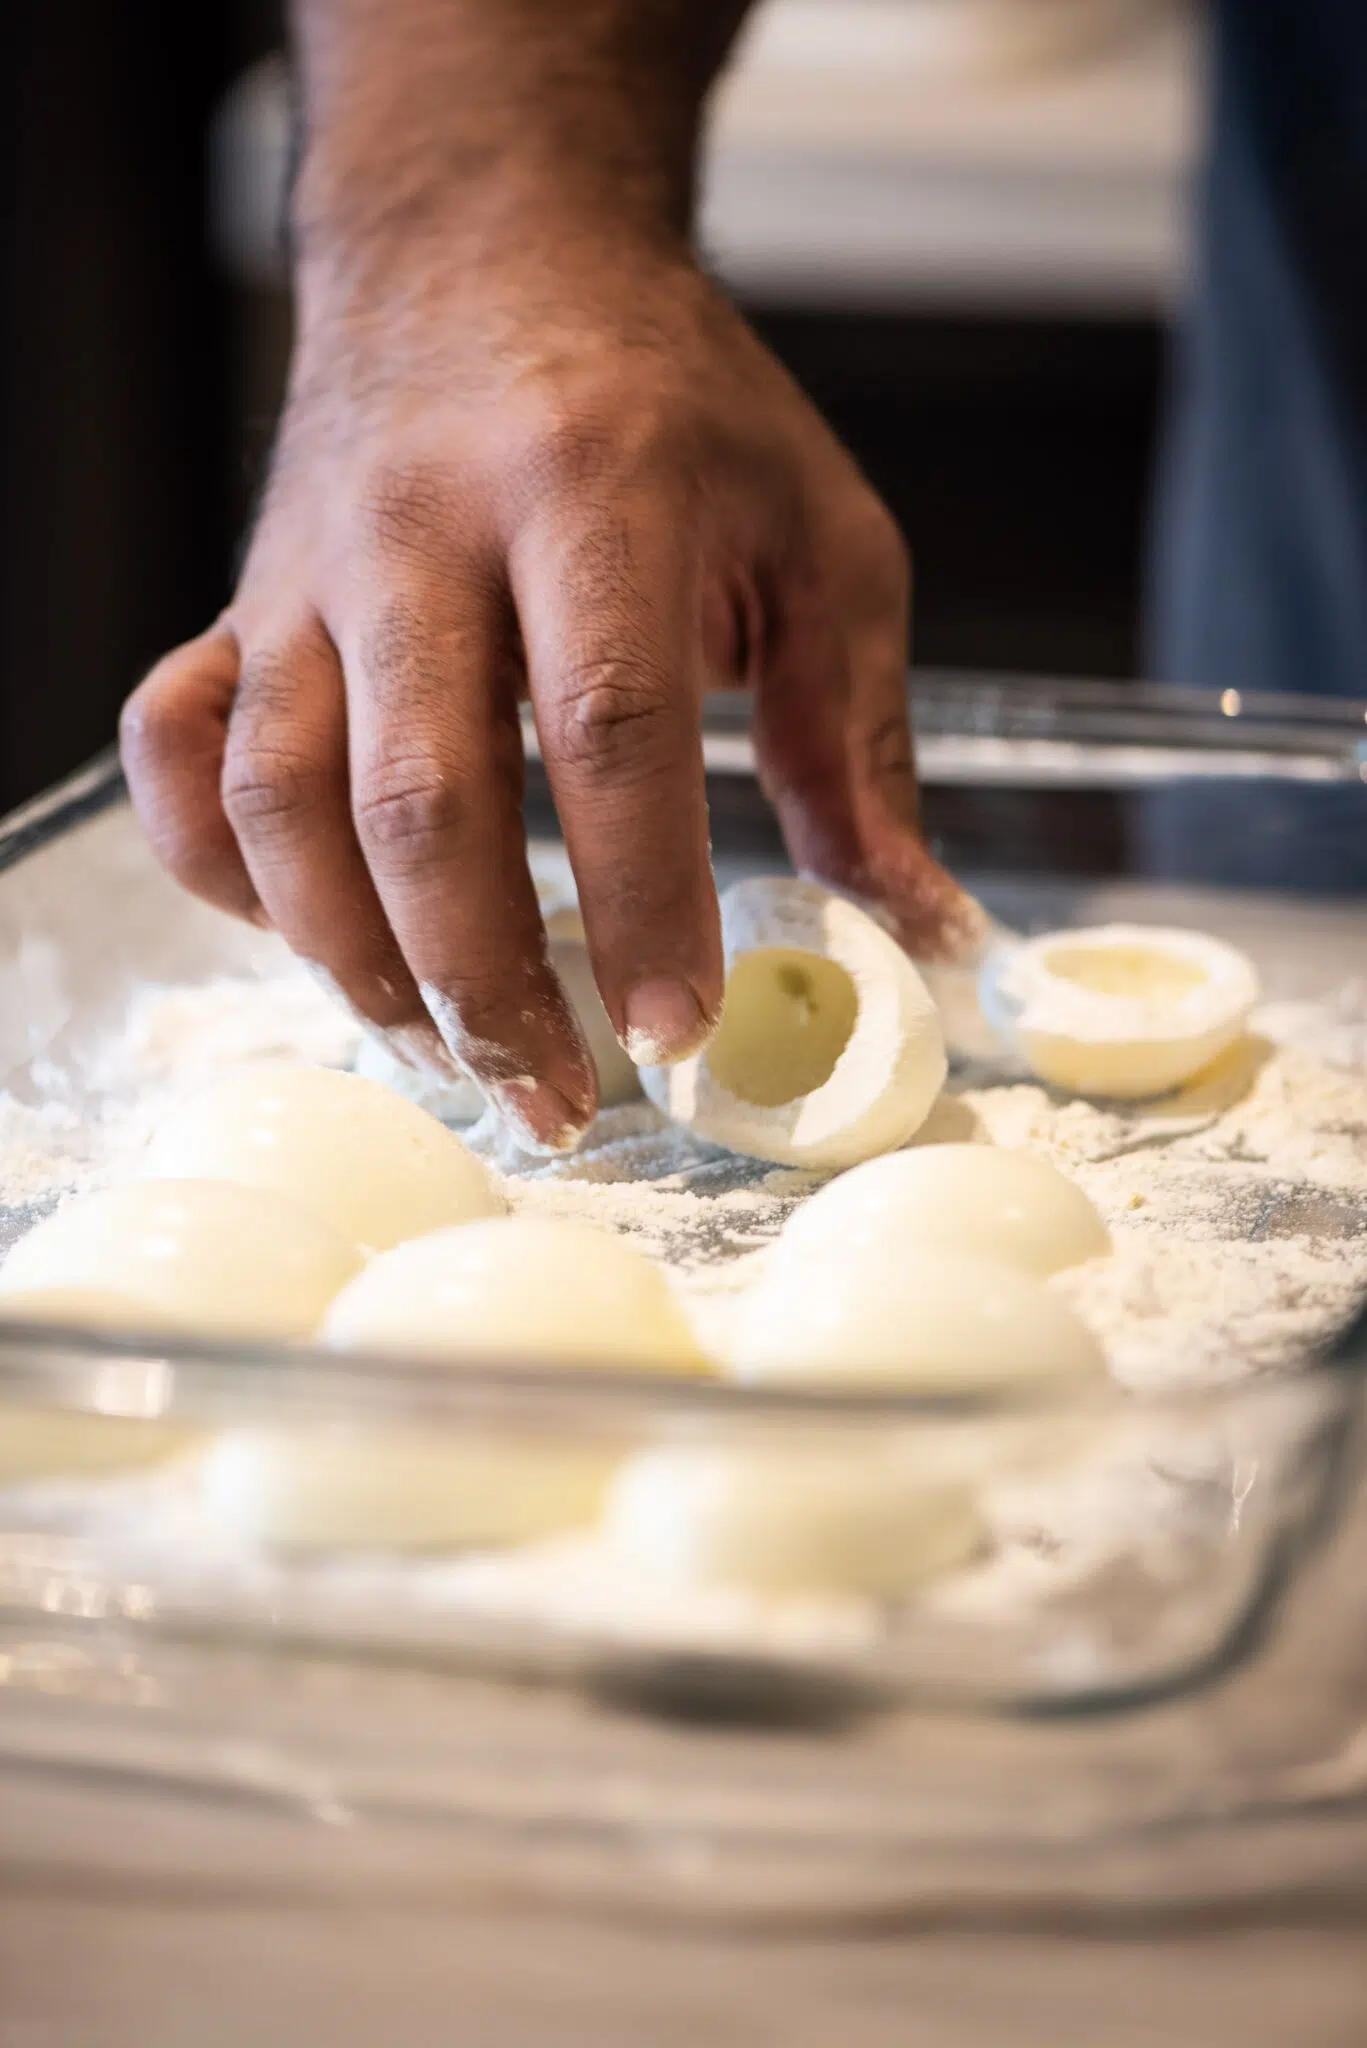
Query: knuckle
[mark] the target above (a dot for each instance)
(268, 790)
(410, 817)
(613, 714)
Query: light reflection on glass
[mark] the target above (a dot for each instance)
(135, 1387)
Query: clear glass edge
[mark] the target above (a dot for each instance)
(50, 1366)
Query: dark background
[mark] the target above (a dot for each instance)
(137, 382)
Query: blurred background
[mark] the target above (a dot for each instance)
(961, 222)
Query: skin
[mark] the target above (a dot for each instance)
(528, 450)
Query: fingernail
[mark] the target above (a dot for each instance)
(541, 1118)
(665, 1023)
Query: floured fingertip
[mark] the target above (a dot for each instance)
(541, 1119)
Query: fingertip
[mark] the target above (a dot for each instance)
(935, 918)
(547, 1110)
(541, 1118)
(181, 705)
(172, 733)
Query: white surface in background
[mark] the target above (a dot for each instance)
(858, 154)
(948, 36)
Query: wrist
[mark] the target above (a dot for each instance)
(494, 143)
(517, 272)
(533, 217)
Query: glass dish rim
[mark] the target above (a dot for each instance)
(181, 1377)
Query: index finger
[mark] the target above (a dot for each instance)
(611, 616)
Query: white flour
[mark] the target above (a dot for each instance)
(1239, 1216)
(94, 1113)
(1238, 1208)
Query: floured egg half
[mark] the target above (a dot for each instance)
(795, 1518)
(376, 1168)
(201, 1257)
(385, 1487)
(532, 1290)
(829, 1049)
(1013, 1207)
(1122, 1011)
(931, 1321)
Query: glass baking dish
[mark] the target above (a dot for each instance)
(594, 1730)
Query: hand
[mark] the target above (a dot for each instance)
(577, 476)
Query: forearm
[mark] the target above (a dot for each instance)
(418, 112)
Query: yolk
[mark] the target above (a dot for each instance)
(1125, 971)
(787, 1018)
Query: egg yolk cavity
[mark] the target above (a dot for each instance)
(787, 1018)
(1126, 971)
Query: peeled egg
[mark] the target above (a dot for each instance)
(376, 1167)
(981, 1199)
(829, 1048)
(928, 1321)
(800, 1518)
(1125, 1011)
(398, 1489)
(526, 1288)
(199, 1257)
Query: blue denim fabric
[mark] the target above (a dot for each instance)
(1259, 567)
(1260, 555)
(1296, 838)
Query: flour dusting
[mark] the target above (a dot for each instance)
(1238, 1211)
(1238, 1207)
